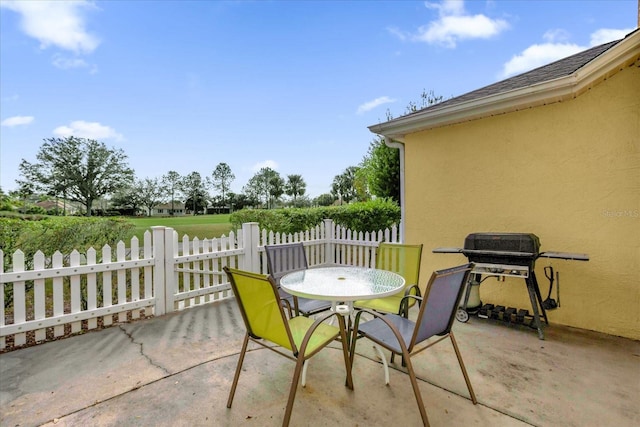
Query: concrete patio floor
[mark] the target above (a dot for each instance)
(176, 370)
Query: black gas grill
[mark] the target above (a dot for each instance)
(509, 254)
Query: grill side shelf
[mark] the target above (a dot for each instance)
(565, 255)
(447, 250)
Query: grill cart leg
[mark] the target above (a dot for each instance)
(531, 288)
(537, 288)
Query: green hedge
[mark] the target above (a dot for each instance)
(50, 234)
(64, 234)
(373, 215)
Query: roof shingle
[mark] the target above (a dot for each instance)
(561, 68)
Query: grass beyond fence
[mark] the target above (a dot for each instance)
(200, 226)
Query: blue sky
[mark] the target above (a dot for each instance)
(293, 85)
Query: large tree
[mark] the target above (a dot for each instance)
(196, 202)
(266, 184)
(172, 184)
(80, 169)
(343, 186)
(128, 199)
(150, 192)
(222, 178)
(295, 186)
(241, 201)
(381, 170)
(276, 188)
(325, 199)
(195, 190)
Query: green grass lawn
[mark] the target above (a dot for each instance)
(200, 226)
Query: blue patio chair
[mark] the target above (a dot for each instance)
(266, 323)
(404, 337)
(287, 258)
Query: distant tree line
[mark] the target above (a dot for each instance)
(86, 171)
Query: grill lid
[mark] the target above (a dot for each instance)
(507, 243)
(507, 249)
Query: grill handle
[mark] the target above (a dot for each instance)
(499, 253)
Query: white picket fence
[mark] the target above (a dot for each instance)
(160, 277)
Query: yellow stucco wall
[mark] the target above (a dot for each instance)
(568, 172)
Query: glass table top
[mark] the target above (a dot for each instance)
(342, 283)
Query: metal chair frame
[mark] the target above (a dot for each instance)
(282, 323)
(286, 258)
(402, 259)
(435, 318)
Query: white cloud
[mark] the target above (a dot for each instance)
(538, 55)
(65, 63)
(447, 7)
(266, 164)
(398, 33)
(90, 130)
(368, 106)
(56, 23)
(606, 35)
(454, 25)
(556, 35)
(16, 121)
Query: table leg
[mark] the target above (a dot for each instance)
(344, 337)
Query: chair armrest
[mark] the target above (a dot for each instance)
(383, 318)
(414, 288)
(415, 297)
(314, 326)
(404, 302)
(360, 312)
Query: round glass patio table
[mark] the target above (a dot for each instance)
(342, 284)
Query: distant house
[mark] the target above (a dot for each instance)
(166, 210)
(554, 152)
(69, 208)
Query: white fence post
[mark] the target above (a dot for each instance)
(329, 246)
(58, 294)
(251, 241)
(19, 298)
(39, 295)
(158, 269)
(170, 273)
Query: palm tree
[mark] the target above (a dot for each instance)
(295, 186)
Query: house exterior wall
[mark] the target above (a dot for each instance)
(568, 172)
(165, 210)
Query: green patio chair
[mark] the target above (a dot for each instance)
(404, 260)
(298, 338)
(406, 337)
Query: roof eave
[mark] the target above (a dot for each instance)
(552, 91)
(505, 102)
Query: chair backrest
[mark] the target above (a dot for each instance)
(401, 259)
(283, 259)
(259, 303)
(440, 303)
